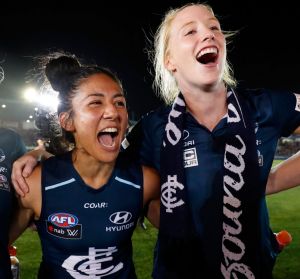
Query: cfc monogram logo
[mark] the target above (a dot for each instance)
(99, 263)
(168, 193)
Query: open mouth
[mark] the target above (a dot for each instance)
(107, 137)
(208, 55)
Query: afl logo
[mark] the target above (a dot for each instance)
(121, 217)
(63, 220)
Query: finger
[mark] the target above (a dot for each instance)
(28, 168)
(18, 188)
(18, 181)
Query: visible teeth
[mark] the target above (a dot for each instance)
(208, 50)
(110, 130)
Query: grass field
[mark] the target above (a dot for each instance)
(284, 211)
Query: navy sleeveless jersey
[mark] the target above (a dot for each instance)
(86, 233)
(275, 114)
(11, 148)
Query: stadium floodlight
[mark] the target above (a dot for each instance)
(30, 94)
(47, 99)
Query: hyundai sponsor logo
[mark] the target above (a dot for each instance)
(120, 217)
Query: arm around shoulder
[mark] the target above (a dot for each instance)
(28, 207)
(24, 166)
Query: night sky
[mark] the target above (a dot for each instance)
(265, 52)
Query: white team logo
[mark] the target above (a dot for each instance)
(297, 107)
(95, 265)
(168, 193)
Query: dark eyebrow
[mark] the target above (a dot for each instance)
(116, 95)
(119, 95)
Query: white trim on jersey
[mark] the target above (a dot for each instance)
(59, 184)
(127, 182)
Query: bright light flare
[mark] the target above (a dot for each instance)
(47, 99)
(30, 94)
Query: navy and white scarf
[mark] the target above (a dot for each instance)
(239, 232)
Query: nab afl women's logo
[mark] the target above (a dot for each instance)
(63, 220)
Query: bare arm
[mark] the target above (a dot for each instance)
(153, 212)
(21, 220)
(24, 166)
(28, 207)
(285, 175)
(152, 195)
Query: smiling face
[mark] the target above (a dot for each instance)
(196, 51)
(99, 117)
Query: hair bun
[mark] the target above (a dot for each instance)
(58, 70)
